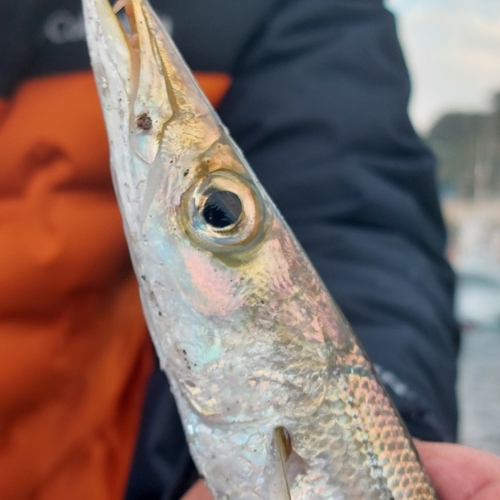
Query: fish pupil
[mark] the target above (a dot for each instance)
(222, 209)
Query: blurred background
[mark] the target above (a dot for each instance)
(453, 51)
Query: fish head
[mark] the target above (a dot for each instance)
(226, 289)
(183, 185)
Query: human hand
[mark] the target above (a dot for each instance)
(198, 492)
(461, 473)
(457, 472)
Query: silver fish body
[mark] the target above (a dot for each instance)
(277, 398)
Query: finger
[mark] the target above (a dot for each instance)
(198, 492)
(461, 473)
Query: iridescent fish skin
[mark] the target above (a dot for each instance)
(277, 398)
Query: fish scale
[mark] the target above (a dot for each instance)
(277, 398)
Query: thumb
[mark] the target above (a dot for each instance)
(198, 492)
(461, 473)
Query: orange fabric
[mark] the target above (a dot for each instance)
(3, 108)
(214, 85)
(74, 352)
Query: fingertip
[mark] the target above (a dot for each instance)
(198, 492)
(459, 472)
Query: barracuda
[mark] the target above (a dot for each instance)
(277, 398)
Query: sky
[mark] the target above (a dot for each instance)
(452, 48)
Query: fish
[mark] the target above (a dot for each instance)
(277, 397)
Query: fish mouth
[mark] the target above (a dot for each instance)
(151, 104)
(131, 50)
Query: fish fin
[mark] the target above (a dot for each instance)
(280, 489)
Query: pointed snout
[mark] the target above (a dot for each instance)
(150, 100)
(108, 45)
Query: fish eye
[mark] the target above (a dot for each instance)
(223, 212)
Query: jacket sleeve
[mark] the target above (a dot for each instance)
(319, 106)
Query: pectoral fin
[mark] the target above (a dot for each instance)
(279, 488)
